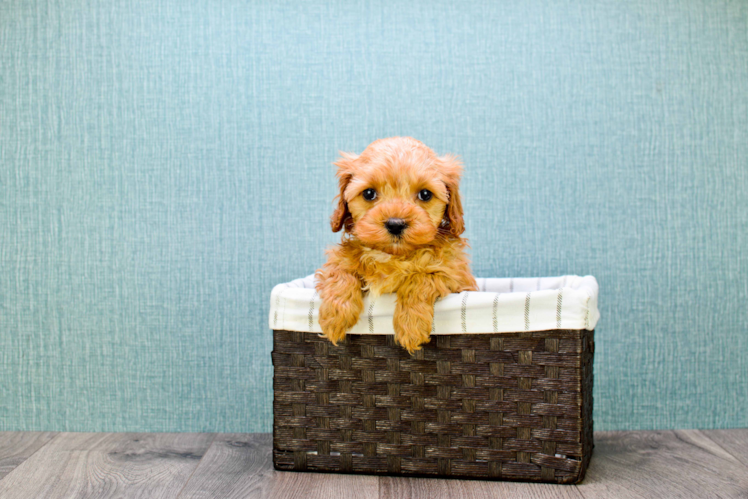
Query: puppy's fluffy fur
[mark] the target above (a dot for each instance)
(423, 263)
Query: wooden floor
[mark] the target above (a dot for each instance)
(667, 464)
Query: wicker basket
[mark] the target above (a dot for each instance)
(510, 406)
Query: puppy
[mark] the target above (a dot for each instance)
(400, 210)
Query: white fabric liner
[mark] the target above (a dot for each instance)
(502, 305)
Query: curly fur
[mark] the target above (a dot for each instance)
(426, 262)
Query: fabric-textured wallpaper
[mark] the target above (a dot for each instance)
(163, 164)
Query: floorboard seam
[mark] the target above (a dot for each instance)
(54, 436)
(701, 431)
(215, 436)
(577, 490)
(696, 445)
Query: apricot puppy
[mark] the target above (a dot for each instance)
(399, 207)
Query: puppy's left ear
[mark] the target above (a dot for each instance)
(451, 168)
(341, 217)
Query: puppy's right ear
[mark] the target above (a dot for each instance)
(451, 168)
(341, 217)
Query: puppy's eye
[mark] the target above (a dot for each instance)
(425, 195)
(369, 194)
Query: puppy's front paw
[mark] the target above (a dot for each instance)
(336, 319)
(412, 327)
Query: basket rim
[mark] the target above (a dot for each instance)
(502, 305)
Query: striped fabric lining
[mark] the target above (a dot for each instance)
(311, 312)
(371, 316)
(277, 305)
(496, 313)
(502, 305)
(527, 312)
(463, 312)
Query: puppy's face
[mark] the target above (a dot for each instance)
(398, 195)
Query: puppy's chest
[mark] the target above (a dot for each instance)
(385, 274)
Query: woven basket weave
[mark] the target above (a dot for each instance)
(510, 406)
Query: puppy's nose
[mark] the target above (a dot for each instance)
(395, 226)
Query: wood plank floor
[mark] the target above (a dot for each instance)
(651, 464)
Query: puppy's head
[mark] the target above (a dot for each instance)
(398, 195)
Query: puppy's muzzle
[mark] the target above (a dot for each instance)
(395, 226)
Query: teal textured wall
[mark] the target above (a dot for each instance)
(164, 164)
